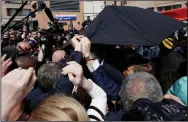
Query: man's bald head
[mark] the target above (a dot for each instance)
(58, 55)
(23, 46)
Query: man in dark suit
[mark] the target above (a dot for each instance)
(86, 22)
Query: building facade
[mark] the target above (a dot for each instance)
(63, 11)
(92, 8)
(77, 11)
(10, 7)
(157, 6)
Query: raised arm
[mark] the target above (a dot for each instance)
(96, 111)
(99, 76)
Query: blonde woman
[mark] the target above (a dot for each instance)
(63, 108)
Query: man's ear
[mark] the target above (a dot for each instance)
(148, 67)
(129, 70)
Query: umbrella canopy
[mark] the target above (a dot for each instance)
(126, 25)
(179, 14)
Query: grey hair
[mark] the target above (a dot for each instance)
(138, 68)
(48, 74)
(140, 85)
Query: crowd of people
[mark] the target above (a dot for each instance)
(41, 81)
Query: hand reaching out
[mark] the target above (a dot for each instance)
(86, 46)
(16, 85)
(5, 65)
(75, 43)
(74, 72)
(172, 97)
(82, 43)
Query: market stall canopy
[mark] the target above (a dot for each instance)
(179, 14)
(126, 25)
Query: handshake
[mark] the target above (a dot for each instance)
(82, 44)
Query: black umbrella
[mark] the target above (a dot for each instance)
(126, 25)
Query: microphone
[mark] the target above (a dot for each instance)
(41, 5)
(33, 15)
(49, 14)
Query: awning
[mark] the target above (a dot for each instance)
(179, 14)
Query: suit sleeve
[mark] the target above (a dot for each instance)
(102, 79)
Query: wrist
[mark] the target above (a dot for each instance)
(5, 112)
(89, 57)
(7, 105)
(84, 82)
(78, 48)
(87, 85)
(4, 115)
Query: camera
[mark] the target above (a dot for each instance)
(166, 110)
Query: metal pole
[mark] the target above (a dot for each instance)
(13, 16)
(32, 24)
(21, 20)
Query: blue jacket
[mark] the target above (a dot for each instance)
(102, 79)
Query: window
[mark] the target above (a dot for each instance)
(167, 8)
(160, 9)
(16, 2)
(115, 3)
(176, 6)
(25, 12)
(170, 7)
(12, 11)
(65, 5)
(123, 2)
(151, 9)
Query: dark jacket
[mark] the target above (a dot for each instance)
(63, 85)
(102, 79)
(116, 112)
(34, 98)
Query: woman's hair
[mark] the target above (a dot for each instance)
(59, 108)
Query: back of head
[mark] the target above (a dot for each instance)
(139, 68)
(23, 47)
(48, 74)
(172, 61)
(59, 108)
(26, 61)
(58, 55)
(140, 85)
